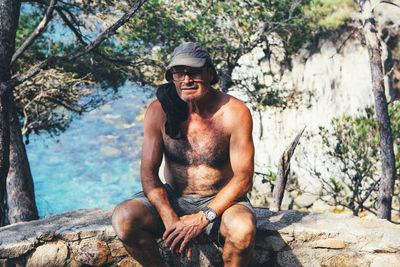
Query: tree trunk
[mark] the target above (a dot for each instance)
(20, 192)
(4, 156)
(9, 15)
(385, 133)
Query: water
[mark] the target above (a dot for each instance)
(95, 162)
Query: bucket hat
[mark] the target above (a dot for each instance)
(191, 54)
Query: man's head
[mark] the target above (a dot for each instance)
(191, 54)
(191, 70)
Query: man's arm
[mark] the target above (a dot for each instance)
(152, 152)
(241, 149)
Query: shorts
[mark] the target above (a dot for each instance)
(189, 204)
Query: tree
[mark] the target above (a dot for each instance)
(20, 181)
(350, 179)
(385, 134)
(9, 13)
(229, 29)
(352, 170)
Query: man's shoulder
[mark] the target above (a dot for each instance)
(154, 113)
(155, 106)
(235, 114)
(234, 106)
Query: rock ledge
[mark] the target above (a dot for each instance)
(287, 238)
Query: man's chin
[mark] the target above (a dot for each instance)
(189, 97)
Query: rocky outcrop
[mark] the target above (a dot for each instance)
(287, 238)
(327, 79)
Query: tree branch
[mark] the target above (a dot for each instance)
(39, 29)
(71, 26)
(54, 60)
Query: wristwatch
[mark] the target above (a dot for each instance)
(210, 214)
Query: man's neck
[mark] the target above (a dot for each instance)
(204, 106)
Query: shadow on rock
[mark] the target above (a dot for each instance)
(273, 238)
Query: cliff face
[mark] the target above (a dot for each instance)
(290, 238)
(326, 79)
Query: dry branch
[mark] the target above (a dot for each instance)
(283, 172)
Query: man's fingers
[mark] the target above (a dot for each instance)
(185, 242)
(189, 252)
(171, 237)
(168, 232)
(176, 241)
(191, 233)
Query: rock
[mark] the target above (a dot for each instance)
(388, 260)
(323, 82)
(129, 262)
(330, 243)
(287, 258)
(16, 249)
(341, 260)
(45, 236)
(273, 242)
(49, 255)
(306, 200)
(117, 249)
(93, 253)
(286, 238)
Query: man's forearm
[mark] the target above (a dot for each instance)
(158, 197)
(235, 189)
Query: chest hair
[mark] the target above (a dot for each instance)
(211, 149)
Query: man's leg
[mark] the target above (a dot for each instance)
(238, 226)
(135, 225)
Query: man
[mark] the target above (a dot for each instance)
(205, 137)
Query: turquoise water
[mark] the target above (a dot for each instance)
(95, 162)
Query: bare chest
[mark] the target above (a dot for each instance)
(202, 145)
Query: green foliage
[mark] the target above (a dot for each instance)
(352, 146)
(330, 14)
(228, 28)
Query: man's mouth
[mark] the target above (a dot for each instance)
(189, 88)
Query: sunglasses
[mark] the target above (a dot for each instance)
(179, 76)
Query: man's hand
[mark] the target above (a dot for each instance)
(183, 231)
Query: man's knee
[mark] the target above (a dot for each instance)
(239, 228)
(129, 217)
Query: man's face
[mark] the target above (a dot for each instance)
(191, 83)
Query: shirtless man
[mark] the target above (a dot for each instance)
(208, 170)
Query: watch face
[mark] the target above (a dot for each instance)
(210, 215)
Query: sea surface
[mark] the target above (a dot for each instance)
(95, 162)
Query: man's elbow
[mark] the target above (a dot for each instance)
(247, 183)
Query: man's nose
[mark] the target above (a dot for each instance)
(187, 78)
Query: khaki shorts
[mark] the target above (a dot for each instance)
(189, 204)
